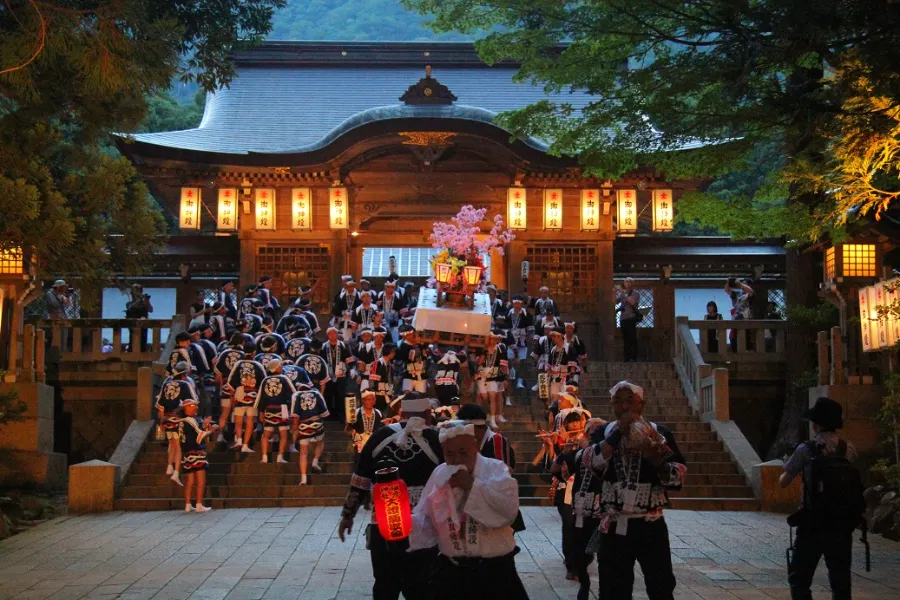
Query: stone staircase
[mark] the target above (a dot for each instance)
(236, 480)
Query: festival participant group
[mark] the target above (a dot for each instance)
(430, 415)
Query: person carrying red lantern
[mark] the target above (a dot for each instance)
(413, 447)
(467, 509)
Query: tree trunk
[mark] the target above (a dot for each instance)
(800, 347)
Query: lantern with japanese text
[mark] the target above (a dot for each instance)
(590, 210)
(663, 210)
(393, 512)
(472, 275)
(517, 208)
(265, 209)
(553, 210)
(189, 215)
(338, 208)
(226, 219)
(626, 207)
(442, 272)
(301, 210)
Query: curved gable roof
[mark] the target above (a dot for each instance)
(301, 108)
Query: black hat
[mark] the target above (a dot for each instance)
(304, 290)
(826, 413)
(265, 278)
(471, 412)
(183, 336)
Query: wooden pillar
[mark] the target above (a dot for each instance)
(356, 258)
(340, 260)
(606, 301)
(663, 318)
(822, 348)
(515, 256)
(499, 269)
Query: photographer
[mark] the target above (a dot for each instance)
(139, 307)
(59, 301)
(628, 300)
(741, 296)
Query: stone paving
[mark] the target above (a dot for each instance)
(294, 553)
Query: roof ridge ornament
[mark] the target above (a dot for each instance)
(428, 91)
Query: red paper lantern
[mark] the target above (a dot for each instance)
(392, 510)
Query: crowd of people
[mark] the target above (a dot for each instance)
(431, 416)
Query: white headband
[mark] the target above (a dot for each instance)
(636, 389)
(451, 429)
(367, 393)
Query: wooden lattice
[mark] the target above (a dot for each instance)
(568, 270)
(293, 266)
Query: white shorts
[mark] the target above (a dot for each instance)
(240, 411)
(171, 435)
(411, 385)
(488, 387)
(225, 401)
(311, 440)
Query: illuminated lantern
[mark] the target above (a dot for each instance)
(663, 210)
(226, 219)
(265, 209)
(517, 208)
(471, 275)
(189, 215)
(626, 207)
(851, 261)
(301, 210)
(590, 210)
(553, 210)
(393, 512)
(442, 272)
(338, 208)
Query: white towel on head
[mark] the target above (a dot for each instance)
(636, 389)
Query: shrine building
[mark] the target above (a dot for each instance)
(325, 158)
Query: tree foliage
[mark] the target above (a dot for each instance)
(165, 113)
(353, 20)
(71, 73)
(668, 74)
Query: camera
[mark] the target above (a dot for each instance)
(146, 296)
(70, 290)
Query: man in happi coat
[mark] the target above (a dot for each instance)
(636, 461)
(467, 510)
(413, 447)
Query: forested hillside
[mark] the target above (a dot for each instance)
(353, 20)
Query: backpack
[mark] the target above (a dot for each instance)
(832, 486)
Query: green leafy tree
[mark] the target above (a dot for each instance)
(669, 73)
(165, 113)
(72, 72)
(353, 20)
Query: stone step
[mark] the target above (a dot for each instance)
(98, 393)
(241, 491)
(716, 504)
(220, 503)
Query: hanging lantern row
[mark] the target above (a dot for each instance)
(593, 208)
(264, 209)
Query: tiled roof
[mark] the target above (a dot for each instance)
(293, 109)
(297, 97)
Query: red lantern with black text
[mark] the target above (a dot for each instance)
(392, 509)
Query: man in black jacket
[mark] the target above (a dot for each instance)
(620, 488)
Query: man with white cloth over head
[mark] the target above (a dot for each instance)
(467, 509)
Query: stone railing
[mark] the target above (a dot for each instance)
(31, 368)
(756, 340)
(82, 339)
(705, 387)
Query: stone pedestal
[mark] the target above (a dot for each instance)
(773, 497)
(26, 445)
(92, 486)
(861, 404)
